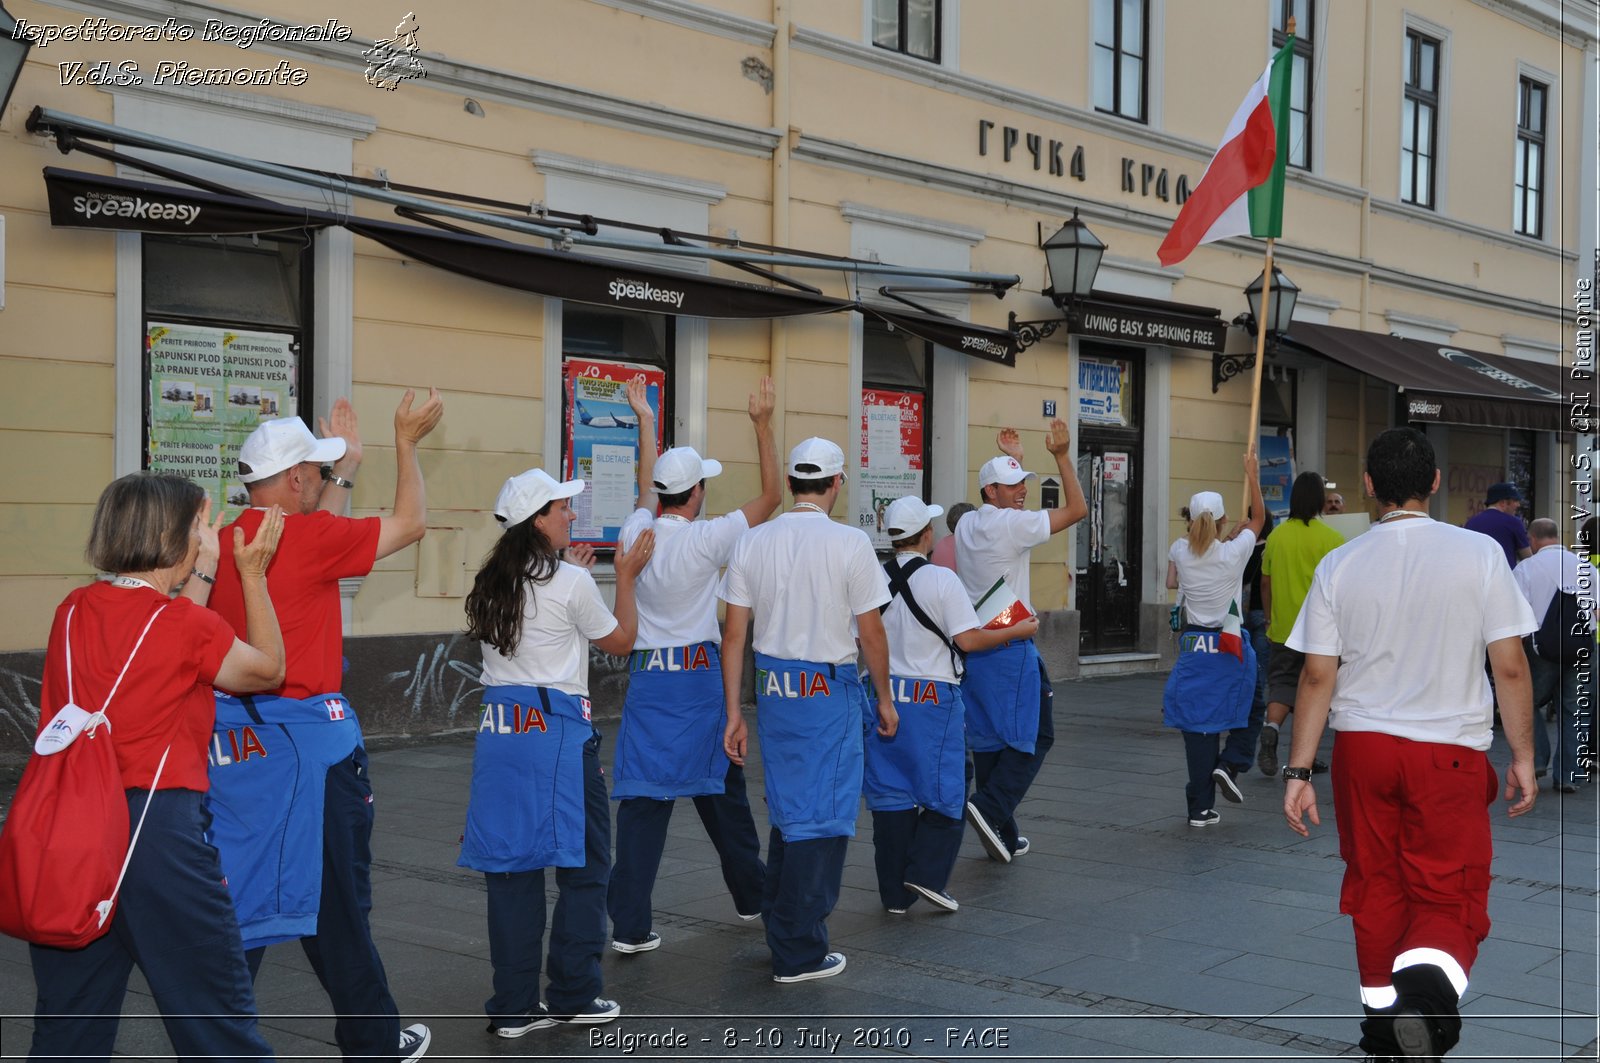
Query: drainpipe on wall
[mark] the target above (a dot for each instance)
(780, 205)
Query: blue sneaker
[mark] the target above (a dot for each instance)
(651, 942)
(414, 1041)
(597, 1011)
(832, 964)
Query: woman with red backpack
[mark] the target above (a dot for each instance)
(139, 647)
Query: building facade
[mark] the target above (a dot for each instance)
(1440, 224)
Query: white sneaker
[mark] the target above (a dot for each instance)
(414, 1041)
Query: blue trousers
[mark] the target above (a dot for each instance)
(577, 927)
(1240, 751)
(342, 953)
(175, 919)
(1561, 687)
(1200, 750)
(1002, 777)
(802, 887)
(913, 845)
(642, 837)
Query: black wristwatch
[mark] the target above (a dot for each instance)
(1303, 774)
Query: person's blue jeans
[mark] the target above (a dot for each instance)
(1561, 687)
(642, 837)
(913, 845)
(577, 927)
(1001, 777)
(802, 886)
(1240, 751)
(175, 919)
(1200, 752)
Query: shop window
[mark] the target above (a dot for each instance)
(1121, 50)
(1521, 450)
(1419, 124)
(911, 27)
(602, 350)
(227, 322)
(1527, 203)
(896, 393)
(1304, 13)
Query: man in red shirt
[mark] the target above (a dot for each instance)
(281, 463)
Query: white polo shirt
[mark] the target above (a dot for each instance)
(559, 619)
(677, 591)
(1555, 568)
(992, 543)
(1409, 607)
(806, 579)
(914, 651)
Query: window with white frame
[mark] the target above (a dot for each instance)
(1304, 13)
(1121, 54)
(1527, 202)
(911, 27)
(1419, 123)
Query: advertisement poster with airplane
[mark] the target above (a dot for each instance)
(602, 442)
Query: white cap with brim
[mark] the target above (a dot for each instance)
(1002, 470)
(907, 516)
(815, 459)
(527, 493)
(681, 468)
(1206, 502)
(282, 443)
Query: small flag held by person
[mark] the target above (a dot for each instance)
(1241, 192)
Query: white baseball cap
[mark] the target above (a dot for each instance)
(681, 468)
(907, 516)
(527, 493)
(1002, 470)
(281, 444)
(1206, 502)
(815, 458)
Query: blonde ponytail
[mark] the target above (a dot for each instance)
(1202, 533)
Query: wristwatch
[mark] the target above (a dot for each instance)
(1303, 774)
(340, 481)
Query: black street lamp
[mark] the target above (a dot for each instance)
(13, 53)
(1280, 315)
(1072, 258)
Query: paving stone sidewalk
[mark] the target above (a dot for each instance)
(1123, 934)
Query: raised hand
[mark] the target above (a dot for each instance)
(341, 422)
(410, 425)
(1252, 464)
(580, 554)
(1058, 440)
(762, 402)
(209, 527)
(639, 398)
(1010, 443)
(252, 558)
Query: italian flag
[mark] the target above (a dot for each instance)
(1241, 192)
(1230, 640)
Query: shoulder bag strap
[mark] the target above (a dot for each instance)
(900, 584)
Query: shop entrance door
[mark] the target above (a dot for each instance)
(1110, 468)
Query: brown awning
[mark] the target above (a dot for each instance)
(1450, 385)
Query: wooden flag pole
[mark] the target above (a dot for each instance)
(1251, 442)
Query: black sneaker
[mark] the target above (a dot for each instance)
(597, 1011)
(1208, 818)
(537, 1020)
(992, 843)
(1267, 752)
(1413, 1034)
(938, 898)
(651, 942)
(1224, 775)
(414, 1041)
(1022, 848)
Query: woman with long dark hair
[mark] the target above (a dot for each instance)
(1214, 677)
(538, 799)
(132, 646)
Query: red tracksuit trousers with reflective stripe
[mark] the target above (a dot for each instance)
(1414, 835)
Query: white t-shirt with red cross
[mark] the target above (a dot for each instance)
(992, 543)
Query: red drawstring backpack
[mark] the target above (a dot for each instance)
(65, 845)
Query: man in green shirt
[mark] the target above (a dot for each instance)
(1287, 565)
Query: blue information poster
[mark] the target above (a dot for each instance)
(1277, 473)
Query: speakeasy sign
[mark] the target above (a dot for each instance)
(1048, 155)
